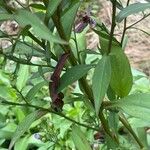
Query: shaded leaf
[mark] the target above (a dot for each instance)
(136, 105)
(104, 40)
(32, 92)
(79, 139)
(24, 126)
(72, 75)
(131, 9)
(101, 80)
(142, 134)
(121, 77)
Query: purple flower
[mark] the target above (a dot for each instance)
(37, 136)
(86, 19)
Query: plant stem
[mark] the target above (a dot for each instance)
(106, 127)
(113, 24)
(76, 44)
(145, 16)
(72, 59)
(23, 61)
(19, 92)
(48, 110)
(141, 30)
(125, 24)
(83, 81)
(129, 128)
(62, 35)
(21, 4)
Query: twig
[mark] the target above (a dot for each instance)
(24, 99)
(129, 128)
(23, 61)
(138, 21)
(21, 4)
(113, 24)
(125, 24)
(50, 111)
(141, 30)
(72, 59)
(106, 128)
(76, 44)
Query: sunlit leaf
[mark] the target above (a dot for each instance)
(136, 105)
(73, 74)
(131, 9)
(101, 80)
(24, 18)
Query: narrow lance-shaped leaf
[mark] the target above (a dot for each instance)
(32, 92)
(24, 125)
(69, 17)
(136, 105)
(24, 18)
(101, 80)
(72, 75)
(131, 9)
(52, 6)
(79, 139)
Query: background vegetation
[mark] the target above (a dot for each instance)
(58, 93)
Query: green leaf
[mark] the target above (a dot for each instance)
(7, 131)
(142, 134)
(22, 76)
(136, 105)
(73, 74)
(131, 9)
(38, 6)
(69, 17)
(24, 18)
(101, 80)
(5, 16)
(22, 143)
(121, 77)
(30, 95)
(104, 40)
(24, 125)
(79, 139)
(52, 6)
